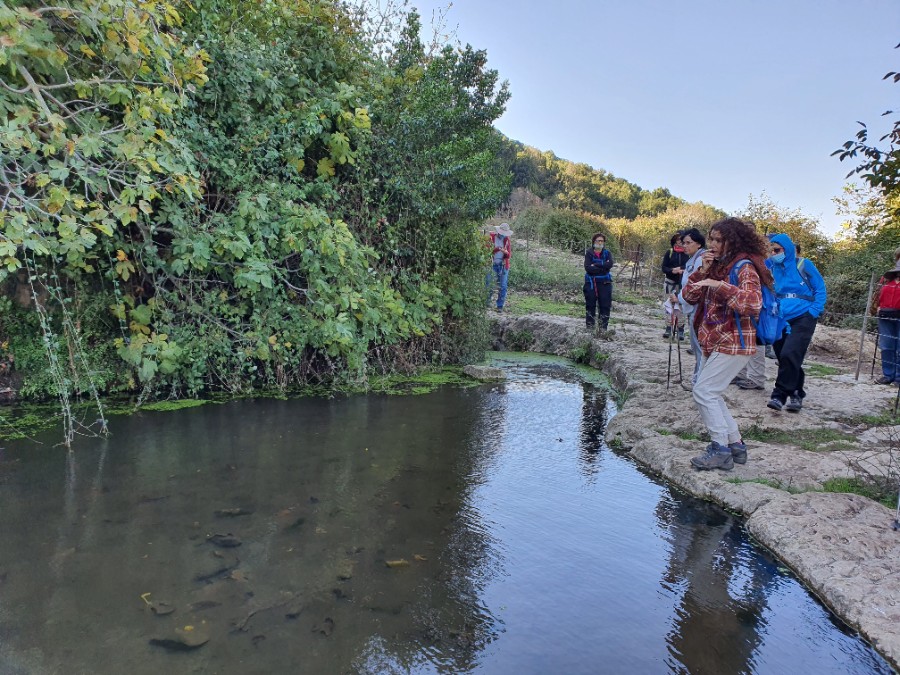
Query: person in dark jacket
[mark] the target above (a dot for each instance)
(801, 298)
(673, 268)
(598, 262)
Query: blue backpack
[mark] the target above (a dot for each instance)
(769, 325)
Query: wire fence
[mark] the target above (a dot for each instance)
(639, 271)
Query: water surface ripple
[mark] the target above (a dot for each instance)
(483, 530)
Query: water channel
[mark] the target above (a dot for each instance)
(470, 530)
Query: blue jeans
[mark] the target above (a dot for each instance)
(889, 344)
(499, 271)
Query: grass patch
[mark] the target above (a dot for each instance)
(820, 369)
(533, 273)
(883, 419)
(532, 304)
(805, 439)
(688, 436)
(633, 297)
(771, 482)
(882, 494)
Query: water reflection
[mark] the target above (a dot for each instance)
(478, 530)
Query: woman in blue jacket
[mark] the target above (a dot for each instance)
(801, 296)
(598, 262)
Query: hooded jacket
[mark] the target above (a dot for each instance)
(795, 297)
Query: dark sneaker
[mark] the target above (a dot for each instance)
(716, 457)
(775, 404)
(747, 384)
(770, 352)
(794, 404)
(681, 334)
(668, 332)
(883, 380)
(738, 452)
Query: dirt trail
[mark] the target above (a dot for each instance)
(842, 545)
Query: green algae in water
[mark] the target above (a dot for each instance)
(586, 373)
(175, 405)
(423, 383)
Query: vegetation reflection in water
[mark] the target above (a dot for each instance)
(484, 529)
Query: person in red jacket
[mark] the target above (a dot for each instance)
(889, 324)
(501, 251)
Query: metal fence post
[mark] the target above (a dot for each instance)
(862, 334)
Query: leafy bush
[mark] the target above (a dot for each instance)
(569, 230)
(251, 194)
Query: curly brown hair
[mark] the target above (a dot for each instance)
(741, 241)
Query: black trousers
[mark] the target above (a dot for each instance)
(597, 300)
(791, 350)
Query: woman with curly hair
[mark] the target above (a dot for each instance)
(725, 330)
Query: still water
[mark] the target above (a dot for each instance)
(483, 530)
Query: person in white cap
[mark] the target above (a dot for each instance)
(501, 251)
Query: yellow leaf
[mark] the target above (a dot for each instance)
(121, 256)
(87, 51)
(133, 44)
(397, 563)
(273, 339)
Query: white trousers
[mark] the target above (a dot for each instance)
(715, 376)
(755, 370)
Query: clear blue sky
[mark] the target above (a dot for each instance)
(713, 99)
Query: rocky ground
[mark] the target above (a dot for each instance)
(842, 545)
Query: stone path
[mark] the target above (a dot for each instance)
(842, 546)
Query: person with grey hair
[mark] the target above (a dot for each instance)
(694, 244)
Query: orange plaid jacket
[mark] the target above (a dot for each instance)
(714, 320)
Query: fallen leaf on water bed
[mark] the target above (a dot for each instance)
(420, 558)
(397, 563)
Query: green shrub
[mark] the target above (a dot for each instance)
(568, 230)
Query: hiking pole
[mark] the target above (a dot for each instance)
(678, 342)
(669, 367)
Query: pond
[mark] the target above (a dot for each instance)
(483, 530)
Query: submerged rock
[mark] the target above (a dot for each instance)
(484, 372)
(232, 513)
(217, 566)
(183, 639)
(161, 608)
(224, 540)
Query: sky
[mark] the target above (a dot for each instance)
(713, 99)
